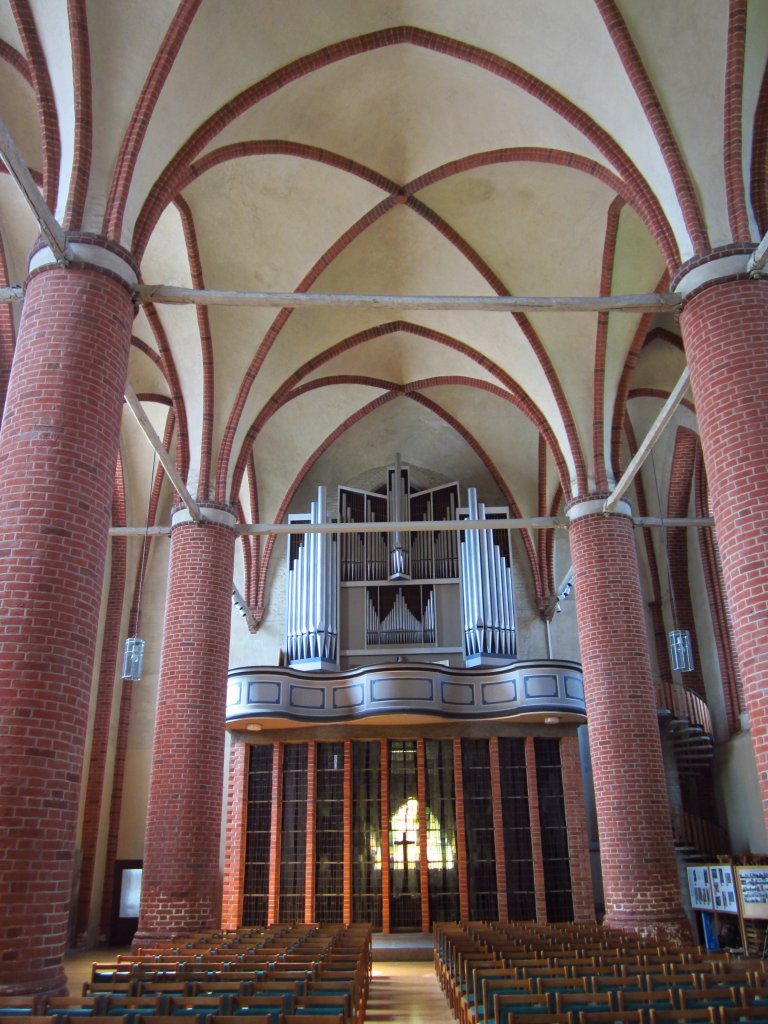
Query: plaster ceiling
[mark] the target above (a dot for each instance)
(412, 147)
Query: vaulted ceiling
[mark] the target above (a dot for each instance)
(413, 147)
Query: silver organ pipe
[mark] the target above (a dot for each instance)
(486, 591)
(312, 619)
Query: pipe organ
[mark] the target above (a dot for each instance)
(312, 615)
(368, 596)
(487, 588)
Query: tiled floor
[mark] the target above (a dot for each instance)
(401, 992)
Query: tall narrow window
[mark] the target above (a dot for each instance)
(366, 833)
(554, 831)
(329, 833)
(441, 831)
(404, 824)
(294, 838)
(521, 895)
(478, 817)
(256, 879)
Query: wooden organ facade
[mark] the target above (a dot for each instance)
(404, 832)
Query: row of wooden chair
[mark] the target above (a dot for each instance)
(491, 970)
(263, 1018)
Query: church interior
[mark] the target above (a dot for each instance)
(384, 396)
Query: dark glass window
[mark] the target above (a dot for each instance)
(293, 852)
(258, 832)
(518, 855)
(441, 831)
(404, 853)
(554, 830)
(366, 832)
(329, 834)
(478, 821)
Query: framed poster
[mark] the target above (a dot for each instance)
(723, 889)
(700, 888)
(752, 885)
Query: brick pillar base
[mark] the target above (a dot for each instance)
(181, 890)
(58, 450)
(725, 333)
(636, 847)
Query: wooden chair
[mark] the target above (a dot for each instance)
(645, 1001)
(577, 1002)
(262, 1002)
(256, 1018)
(323, 1005)
(108, 988)
(490, 987)
(131, 1007)
(303, 1018)
(693, 998)
(485, 983)
(701, 1015)
(543, 1018)
(624, 983)
(508, 1008)
(611, 1017)
(556, 985)
(75, 1006)
(736, 1014)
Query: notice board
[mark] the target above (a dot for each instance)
(723, 889)
(752, 885)
(700, 888)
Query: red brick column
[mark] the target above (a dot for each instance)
(636, 848)
(725, 333)
(181, 882)
(578, 840)
(58, 450)
(537, 854)
(236, 831)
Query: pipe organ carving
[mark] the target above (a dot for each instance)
(437, 594)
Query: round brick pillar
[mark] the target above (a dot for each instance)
(58, 450)
(639, 866)
(181, 884)
(725, 333)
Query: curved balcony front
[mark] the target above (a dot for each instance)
(526, 690)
